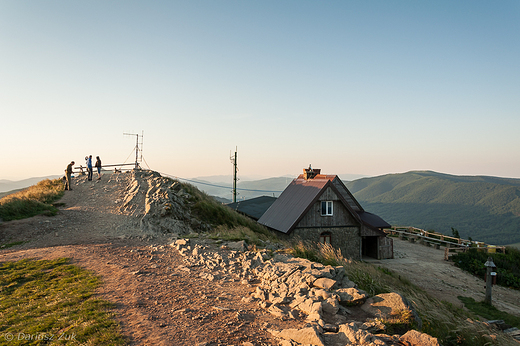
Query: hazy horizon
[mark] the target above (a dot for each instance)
(351, 87)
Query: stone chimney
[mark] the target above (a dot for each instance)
(309, 173)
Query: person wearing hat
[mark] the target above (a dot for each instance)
(68, 175)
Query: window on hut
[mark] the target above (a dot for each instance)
(326, 208)
(325, 237)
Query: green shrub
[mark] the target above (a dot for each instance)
(508, 265)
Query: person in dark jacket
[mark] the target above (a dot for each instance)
(89, 167)
(68, 175)
(98, 166)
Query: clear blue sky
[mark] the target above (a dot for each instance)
(360, 87)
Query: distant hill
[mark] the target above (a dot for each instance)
(484, 208)
(9, 185)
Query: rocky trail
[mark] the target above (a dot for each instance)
(131, 228)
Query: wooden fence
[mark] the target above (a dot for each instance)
(452, 245)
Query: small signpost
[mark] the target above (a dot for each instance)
(489, 279)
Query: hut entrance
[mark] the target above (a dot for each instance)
(369, 247)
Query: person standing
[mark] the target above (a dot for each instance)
(89, 168)
(98, 166)
(68, 175)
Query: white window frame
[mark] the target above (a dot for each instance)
(329, 208)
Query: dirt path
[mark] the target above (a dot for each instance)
(426, 267)
(159, 301)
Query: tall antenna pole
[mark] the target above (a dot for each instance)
(136, 150)
(137, 147)
(142, 136)
(234, 161)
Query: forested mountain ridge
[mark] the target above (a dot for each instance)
(481, 207)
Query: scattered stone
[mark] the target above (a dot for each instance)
(221, 308)
(305, 336)
(238, 246)
(415, 338)
(351, 334)
(331, 328)
(351, 296)
(276, 311)
(324, 283)
(390, 306)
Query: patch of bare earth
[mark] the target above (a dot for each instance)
(159, 300)
(426, 267)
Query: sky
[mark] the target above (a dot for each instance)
(351, 87)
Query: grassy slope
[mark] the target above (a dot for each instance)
(484, 208)
(53, 303)
(3, 194)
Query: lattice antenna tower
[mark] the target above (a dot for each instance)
(138, 148)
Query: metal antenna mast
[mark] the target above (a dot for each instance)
(137, 150)
(234, 162)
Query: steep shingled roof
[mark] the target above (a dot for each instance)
(294, 202)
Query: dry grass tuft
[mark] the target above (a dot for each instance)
(32, 201)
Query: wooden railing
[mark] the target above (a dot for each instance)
(83, 169)
(452, 245)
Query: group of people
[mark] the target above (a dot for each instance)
(88, 162)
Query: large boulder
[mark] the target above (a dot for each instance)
(415, 338)
(238, 246)
(351, 296)
(391, 306)
(324, 283)
(305, 336)
(351, 334)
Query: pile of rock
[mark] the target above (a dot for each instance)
(161, 204)
(295, 288)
